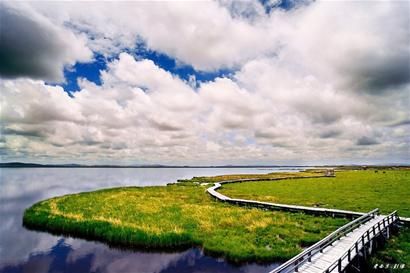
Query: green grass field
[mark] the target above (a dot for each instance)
(180, 215)
(355, 190)
(362, 191)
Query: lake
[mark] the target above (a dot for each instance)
(22, 250)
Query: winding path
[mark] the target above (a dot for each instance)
(338, 250)
(275, 206)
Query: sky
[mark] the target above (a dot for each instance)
(289, 82)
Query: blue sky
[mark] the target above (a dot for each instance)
(91, 70)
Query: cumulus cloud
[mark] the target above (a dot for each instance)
(32, 46)
(143, 112)
(182, 30)
(364, 46)
(360, 46)
(322, 82)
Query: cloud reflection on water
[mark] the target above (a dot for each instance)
(22, 250)
(90, 257)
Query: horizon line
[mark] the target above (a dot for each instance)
(17, 164)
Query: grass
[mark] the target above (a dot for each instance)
(362, 191)
(352, 190)
(179, 216)
(397, 251)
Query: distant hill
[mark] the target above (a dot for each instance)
(36, 165)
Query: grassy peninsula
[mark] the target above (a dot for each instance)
(181, 215)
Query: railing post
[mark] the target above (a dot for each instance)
(339, 265)
(356, 245)
(348, 256)
(296, 266)
(364, 247)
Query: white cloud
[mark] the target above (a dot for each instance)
(321, 83)
(167, 121)
(352, 43)
(361, 46)
(202, 34)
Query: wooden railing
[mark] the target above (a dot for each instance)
(283, 207)
(365, 238)
(293, 264)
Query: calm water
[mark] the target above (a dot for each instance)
(27, 251)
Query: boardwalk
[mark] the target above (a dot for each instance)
(337, 250)
(332, 253)
(292, 208)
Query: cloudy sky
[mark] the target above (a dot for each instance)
(202, 82)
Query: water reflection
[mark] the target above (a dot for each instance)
(22, 250)
(64, 257)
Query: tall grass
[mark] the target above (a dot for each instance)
(179, 216)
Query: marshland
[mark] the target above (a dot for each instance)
(182, 215)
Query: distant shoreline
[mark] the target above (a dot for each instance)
(36, 165)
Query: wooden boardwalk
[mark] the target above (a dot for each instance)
(332, 253)
(339, 249)
(267, 205)
(335, 252)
